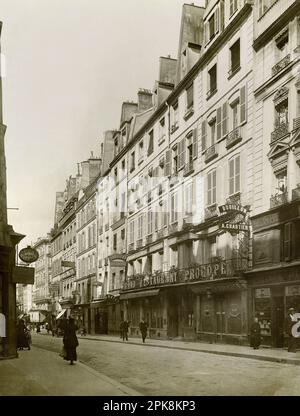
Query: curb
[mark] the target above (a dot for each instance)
(290, 361)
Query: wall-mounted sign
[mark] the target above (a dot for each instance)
(28, 255)
(235, 218)
(23, 275)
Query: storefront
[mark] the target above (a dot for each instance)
(205, 302)
(272, 293)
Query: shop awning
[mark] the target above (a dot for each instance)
(61, 313)
(143, 294)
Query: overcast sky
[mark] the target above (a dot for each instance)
(69, 66)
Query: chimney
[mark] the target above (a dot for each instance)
(144, 100)
(167, 69)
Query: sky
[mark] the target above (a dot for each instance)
(69, 65)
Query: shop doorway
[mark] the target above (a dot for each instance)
(220, 317)
(278, 321)
(173, 320)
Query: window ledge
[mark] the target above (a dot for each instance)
(189, 112)
(233, 72)
(211, 93)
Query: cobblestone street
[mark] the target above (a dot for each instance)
(161, 371)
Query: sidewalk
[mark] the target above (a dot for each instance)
(265, 354)
(43, 373)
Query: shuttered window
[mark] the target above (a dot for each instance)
(181, 153)
(203, 135)
(131, 232)
(243, 105)
(168, 163)
(219, 123)
(211, 187)
(234, 175)
(225, 119)
(195, 143)
(174, 207)
(150, 218)
(140, 227)
(188, 199)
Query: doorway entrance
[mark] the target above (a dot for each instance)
(220, 317)
(278, 321)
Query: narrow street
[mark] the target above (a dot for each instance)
(152, 370)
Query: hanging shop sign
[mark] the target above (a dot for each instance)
(236, 218)
(28, 255)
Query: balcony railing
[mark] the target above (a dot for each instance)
(131, 247)
(280, 131)
(296, 123)
(233, 137)
(296, 193)
(211, 153)
(149, 239)
(188, 168)
(278, 199)
(211, 211)
(281, 64)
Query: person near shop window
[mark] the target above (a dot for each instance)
(290, 322)
(255, 334)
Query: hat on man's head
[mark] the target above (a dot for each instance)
(291, 309)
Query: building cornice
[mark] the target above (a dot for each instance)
(275, 27)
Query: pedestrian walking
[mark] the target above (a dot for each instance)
(143, 329)
(121, 329)
(22, 337)
(290, 322)
(38, 328)
(255, 334)
(125, 327)
(70, 341)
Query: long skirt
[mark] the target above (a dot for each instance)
(71, 354)
(255, 341)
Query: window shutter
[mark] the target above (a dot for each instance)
(237, 174)
(219, 123)
(217, 20)
(224, 121)
(168, 163)
(195, 143)
(209, 189)
(222, 15)
(243, 106)
(231, 177)
(203, 135)
(214, 186)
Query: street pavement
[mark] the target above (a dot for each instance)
(161, 370)
(39, 372)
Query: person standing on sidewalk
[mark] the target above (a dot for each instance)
(143, 329)
(290, 322)
(255, 337)
(70, 341)
(125, 327)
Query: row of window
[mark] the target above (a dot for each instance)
(87, 265)
(87, 240)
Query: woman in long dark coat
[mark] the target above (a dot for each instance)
(255, 337)
(22, 338)
(143, 329)
(70, 341)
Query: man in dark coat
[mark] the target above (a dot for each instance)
(143, 329)
(255, 337)
(125, 327)
(70, 341)
(290, 322)
(22, 337)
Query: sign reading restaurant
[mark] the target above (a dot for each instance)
(212, 271)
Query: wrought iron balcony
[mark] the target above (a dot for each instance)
(281, 64)
(296, 123)
(280, 131)
(131, 247)
(233, 137)
(296, 193)
(211, 153)
(211, 211)
(278, 199)
(188, 169)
